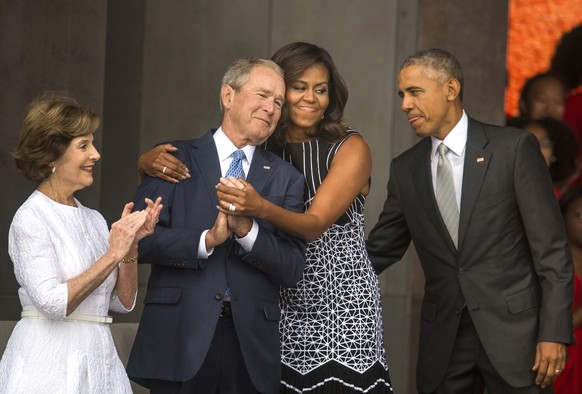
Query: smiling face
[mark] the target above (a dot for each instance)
(252, 112)
(430, 101)
(307, 99)
(74, 169)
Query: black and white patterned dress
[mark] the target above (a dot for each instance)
(331, 323)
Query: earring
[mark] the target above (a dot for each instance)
(53, 169)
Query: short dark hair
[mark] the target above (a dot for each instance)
(51, 122)
(294, 59)
(439, 60)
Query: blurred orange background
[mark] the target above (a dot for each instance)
(535, 27)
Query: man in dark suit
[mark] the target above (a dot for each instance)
(211, 315)
(498, 291)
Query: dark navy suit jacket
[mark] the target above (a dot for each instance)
(185, 293)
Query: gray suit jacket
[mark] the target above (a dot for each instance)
(512, 271)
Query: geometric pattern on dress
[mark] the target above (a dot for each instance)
(334, 312)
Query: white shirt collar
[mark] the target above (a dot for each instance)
(456, 139)
(225, 147)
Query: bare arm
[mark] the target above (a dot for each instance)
(348, 176)
(122, 243)
(126, 286)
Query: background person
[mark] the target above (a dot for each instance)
(497, 302)
(71, 269)
(570, 381)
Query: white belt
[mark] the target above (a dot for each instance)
(71, 317)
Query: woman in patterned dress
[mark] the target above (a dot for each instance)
(70, 267)
(331, 324)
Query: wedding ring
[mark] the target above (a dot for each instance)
(231, 207)
(557, 371)
(164, 170)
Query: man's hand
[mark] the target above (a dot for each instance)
(549, 362)
(218, 233)
(240, 225)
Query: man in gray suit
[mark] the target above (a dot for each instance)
(498, 291)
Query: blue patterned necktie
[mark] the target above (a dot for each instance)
(236, 169)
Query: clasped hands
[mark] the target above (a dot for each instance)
(237, 201)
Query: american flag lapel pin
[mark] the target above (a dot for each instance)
(480, 159)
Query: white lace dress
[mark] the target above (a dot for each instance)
(50, 243)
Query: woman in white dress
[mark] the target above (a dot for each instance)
(72, 270)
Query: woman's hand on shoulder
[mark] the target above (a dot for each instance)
(159, 162)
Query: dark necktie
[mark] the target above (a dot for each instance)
(445, 194)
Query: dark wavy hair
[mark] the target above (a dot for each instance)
(567, 59)
(51, 122)
(297, 57)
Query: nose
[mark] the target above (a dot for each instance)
(94, 155)
(406, 104)
(308, 95)
(270, 106)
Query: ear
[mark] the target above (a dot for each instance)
(453, 88)
(227, 95)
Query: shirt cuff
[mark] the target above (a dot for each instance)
(248, 241)
(202, 252)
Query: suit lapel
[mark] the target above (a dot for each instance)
(261, 170)
(476, 163)
(206, 159)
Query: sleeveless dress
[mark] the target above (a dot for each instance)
(331, 322)
(50, 243)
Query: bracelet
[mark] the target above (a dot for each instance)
(130, 260)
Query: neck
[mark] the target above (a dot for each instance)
(298, 134)
(51, 189)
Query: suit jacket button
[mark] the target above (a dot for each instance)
(461, 271)
(218, 296)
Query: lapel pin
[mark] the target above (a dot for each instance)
(267, 167)
(480, 159)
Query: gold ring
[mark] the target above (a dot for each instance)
(164, 170)
(557, 371)
(231, 207)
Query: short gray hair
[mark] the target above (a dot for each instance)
(238, 73)
(440, 61)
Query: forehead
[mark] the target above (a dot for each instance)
(262, 77)
(315, 71)
(418, 75)
(547, 84)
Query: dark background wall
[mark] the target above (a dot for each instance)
(153, 69)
